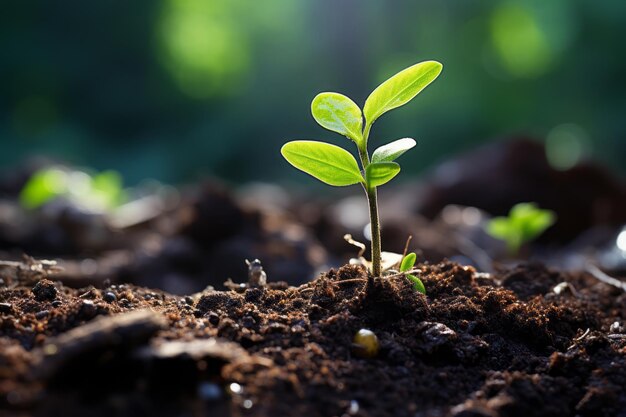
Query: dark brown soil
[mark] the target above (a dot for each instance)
(477, 345)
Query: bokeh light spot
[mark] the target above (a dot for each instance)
(566, 145)
(203, 47)
(519, 41)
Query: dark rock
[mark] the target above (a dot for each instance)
(42, 314)
(45, 290)
(109, 297)
(436, 337)
(88, 309)
(6, 308)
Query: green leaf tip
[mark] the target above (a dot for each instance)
(338, 113)
(391, 151)
(408, 262)
(400, 89)
(417, 283)
(328, 163)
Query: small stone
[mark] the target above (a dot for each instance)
(125, 302)
(109, 297)
(147, 297)
(45, 290)
(248, 322)
(365, 344)
(88, 309)
(189, 300)
(42, 314)
(214, 319)
(6, 308)
(436, 336)
(57, 303)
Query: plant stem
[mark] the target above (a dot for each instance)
(372, 200)
(375, 231)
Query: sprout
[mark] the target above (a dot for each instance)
(406, 265)
(337, 167)
(525, 222)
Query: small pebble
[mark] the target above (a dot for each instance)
(365, 344)
(615, 327)
(45, 290)
(57, 303)
(42, 314)
(6, 307)
(189, 300)
(248, 322)
(88, 309)
(125, 302)
(109, 297)
(214, 319)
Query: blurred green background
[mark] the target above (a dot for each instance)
(179, 89)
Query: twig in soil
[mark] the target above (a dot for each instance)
(31, 268)
(602, 276)
(129, 329)
(578, 339)
(406, 246)
(348, 238)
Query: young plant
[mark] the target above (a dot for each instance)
(335, 166)
(525, 222)
(406, 265)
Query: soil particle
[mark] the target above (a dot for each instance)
(45, 290)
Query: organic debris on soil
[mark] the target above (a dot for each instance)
(478, 345)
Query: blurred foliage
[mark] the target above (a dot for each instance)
(525, 222)
(98, 192)
(175, 89)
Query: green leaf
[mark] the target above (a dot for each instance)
(408, 262)
(328, 163)
(336, 112)
(530, 220)
(500, 228)
(391, 151)
(400, 89)
(379, 173)
(43, 186)
(417, 283)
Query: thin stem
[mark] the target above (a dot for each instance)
(375, 231)
(373, 206)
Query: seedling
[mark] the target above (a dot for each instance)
(525, 222)
(406, 265)
(99, 192)
(335, 166)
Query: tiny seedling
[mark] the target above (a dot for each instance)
(337, 167)
(525, 222)
(406, 265)
(99, 192)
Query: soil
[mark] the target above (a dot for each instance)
(525, 341)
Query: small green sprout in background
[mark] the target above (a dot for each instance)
(406, 265)
(525, 222)
(99, 192)
(338, 113)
